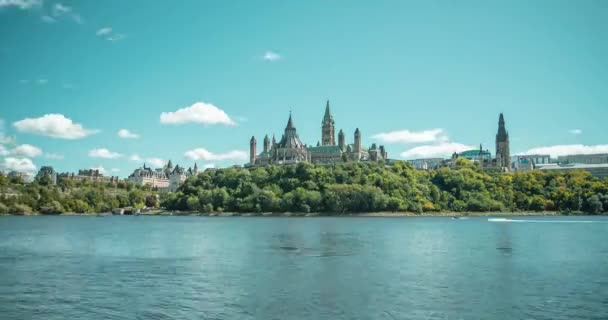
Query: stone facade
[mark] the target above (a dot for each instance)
(165, 178)
(47, 172)
(290, 149)
(88, 174)
(503, 153)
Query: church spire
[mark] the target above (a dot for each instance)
(327, 116)
(328, 129)
(289, 122)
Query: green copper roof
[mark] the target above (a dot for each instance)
(473, 153)
(325, 149)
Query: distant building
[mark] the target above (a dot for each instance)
(476, 155)
(529, 162)
(47, 172)
(596, 170)
(584, 158)
(502, 161)
(165, 178)
(290, 149)
(503, 153)
(88, 174)
(426, 164)
(18, 174)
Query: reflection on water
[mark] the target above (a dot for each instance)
(298, 268)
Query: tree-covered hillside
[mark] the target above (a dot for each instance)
(40, 196)
(371, 187)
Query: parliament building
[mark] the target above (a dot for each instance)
(290, 148)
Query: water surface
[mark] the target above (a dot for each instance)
(303, 268)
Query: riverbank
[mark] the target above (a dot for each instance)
(323, 214)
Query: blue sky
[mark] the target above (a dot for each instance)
(425, 78)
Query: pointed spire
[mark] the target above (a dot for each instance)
(327, 112)
(289, 122)
(357, 131)
(195, 166)
(341, 133)
(502, 134)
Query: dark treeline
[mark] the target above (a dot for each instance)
(373, 187)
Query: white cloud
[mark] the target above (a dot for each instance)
(155, 162)
(271, 56)
(60, 9)
(21, 4)
(3, 151)
(444, 149)
(116, 37)
(109, 34)
(68, 86)
(104, 31)
(562, 150)
(26, 150)
(199, 112)
(135, 157)
(42, 81)
(19, 164)
(24, 81)
(54, 156)
(406, 136)
(204, 154)
(53, 125)
(48, 19)
(576, 131)
(104, 153)
(115, 170)
(209, 166)
(101, 169)
(126, 134)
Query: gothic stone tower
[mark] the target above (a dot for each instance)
(357, 145)
(252, 150)
(503, 156)
(341, 142)
(328, 131)
(266, 144)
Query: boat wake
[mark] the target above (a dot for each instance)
(542, 221)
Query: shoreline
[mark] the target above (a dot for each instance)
(321, 215)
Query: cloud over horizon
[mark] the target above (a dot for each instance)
(204, 154)
(19, 164)
(199, 112)
(109, 34)
(21, 4)
(406, 136)
(126, 134)
(568, 149)
(271, 56)
(26, 150)
(443, 149)
(53, 125)
(104, 153)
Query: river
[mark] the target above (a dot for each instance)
(145, 267)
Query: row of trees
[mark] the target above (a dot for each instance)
(371, 187)
(84, 196)
(330, 189)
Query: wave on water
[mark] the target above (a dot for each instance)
(542, 221)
